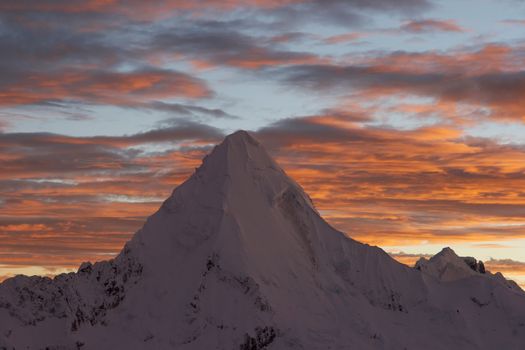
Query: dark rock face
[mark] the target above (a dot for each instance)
(263, 337)
(481, 267)
(112, 279)
(475, 265)
(471, 262)
(82, 297)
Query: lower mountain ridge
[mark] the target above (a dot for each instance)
(239, 258)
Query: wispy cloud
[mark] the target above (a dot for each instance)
(432, 25)
(487, 78)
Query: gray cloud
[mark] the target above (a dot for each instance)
(345, 13)
(502, 91)
(37, 154)
(186, 110)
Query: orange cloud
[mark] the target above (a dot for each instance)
(432, 25)
(69, 199)
(343, 38)
(392, 187)
(103, 87)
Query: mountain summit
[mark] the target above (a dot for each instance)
(238, 258)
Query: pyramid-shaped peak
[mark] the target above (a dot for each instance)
(237, 198)
(239, 153)
(238, 170)
(241, 136)
(242, 142)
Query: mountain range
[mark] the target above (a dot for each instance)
(238, 257)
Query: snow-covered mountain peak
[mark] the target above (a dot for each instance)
(238, 175)
(448, 266)
(239, 205)
(447, 253)
(237, 154)
(241, 139)
(448, 256)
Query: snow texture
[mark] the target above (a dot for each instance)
(238, 258)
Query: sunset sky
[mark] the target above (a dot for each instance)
(404, 120)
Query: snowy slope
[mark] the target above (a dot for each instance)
(238, 258)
